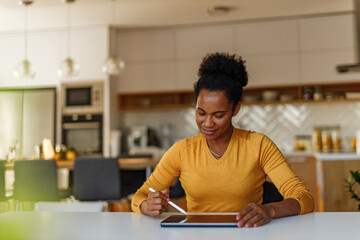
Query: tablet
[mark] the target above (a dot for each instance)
(200, 221)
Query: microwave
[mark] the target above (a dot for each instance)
(84, 97)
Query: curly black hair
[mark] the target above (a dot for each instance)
(222, 72)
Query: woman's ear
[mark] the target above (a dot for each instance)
(237, 108)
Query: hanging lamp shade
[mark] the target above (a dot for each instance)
(113, 66)
(25, 69)
(68, 67)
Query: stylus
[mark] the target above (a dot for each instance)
(171, 203)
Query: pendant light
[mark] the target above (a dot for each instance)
(25, 70)
(112, 64)
(68, 66)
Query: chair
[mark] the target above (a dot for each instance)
(96, 179)
(3, 198)
(176, 191)
(69, 207)
(271, 193)
(35, 180)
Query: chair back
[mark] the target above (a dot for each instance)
(35, 180)
(96, 179)
(2, 180)
(271, 193)
(69, 207)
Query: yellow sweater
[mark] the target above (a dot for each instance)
(227, 184)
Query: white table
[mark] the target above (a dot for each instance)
(102, 226)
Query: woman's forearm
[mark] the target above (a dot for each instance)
(285, 208)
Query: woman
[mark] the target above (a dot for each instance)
(223, 168)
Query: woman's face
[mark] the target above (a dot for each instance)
(214, 113)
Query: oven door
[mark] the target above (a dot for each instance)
(84, 137)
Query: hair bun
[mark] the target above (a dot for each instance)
(224, 65)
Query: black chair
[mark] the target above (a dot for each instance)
(176, 191)
(96, 179)
(271, 193)
(35, 180)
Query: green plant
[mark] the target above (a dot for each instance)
(351, 183)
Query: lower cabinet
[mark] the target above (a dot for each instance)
(335, 195)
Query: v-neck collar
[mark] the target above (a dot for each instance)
(228, 148)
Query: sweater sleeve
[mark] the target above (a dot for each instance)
(165, 173)
(280, 173)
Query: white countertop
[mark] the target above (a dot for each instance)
(106, 226)
(324, 156)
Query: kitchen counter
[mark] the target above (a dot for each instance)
(323, 156)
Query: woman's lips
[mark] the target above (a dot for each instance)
(209, 132)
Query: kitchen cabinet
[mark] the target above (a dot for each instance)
(326, 42)
(271, 52)
(335, 195)
(149, 57)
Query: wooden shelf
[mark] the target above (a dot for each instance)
(251, 96)
(297, 93)
(156, 100)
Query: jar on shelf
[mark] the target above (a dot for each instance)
(326, 140)
(316, 139)
(318, 94)
(307, 93)
(336, 139)
(302, 143)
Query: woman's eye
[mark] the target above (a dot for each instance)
(219, 116)
(201, 113)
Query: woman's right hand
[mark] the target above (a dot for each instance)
(155, 203)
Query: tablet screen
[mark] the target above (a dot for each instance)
(200, 221)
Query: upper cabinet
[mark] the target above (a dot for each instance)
(271, 52)
(326, 42)
(150, 60)
(192, 44)
(277, 53)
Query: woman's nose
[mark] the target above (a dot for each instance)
(208, 122)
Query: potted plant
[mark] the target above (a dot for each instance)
(351, 183)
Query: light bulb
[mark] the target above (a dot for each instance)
(68, 68)
(113, 66)
(25, 70)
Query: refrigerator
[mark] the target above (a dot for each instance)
(26, 117)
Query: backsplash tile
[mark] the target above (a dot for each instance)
(281, 122)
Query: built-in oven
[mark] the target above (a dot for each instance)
(83, 133)
(82, 98)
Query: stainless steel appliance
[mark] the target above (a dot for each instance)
(27, 116)
(82, 98)
(83, 133)
(142, 136)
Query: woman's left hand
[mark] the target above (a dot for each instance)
(255, 215)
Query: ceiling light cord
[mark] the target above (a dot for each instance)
(68, 30)
(25, 34)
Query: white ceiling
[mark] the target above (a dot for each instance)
(155, 13)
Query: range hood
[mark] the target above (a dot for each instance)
(355, 67)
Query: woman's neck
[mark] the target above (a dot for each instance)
(220, 144)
